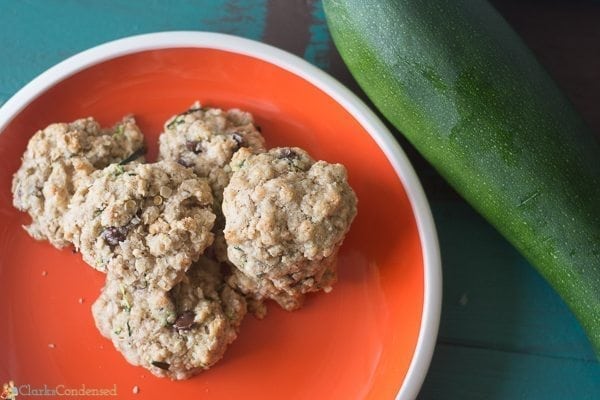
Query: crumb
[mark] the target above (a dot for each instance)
(44, 273)
(51, 345)
(464, 299)
(135, 390)
(81, 300)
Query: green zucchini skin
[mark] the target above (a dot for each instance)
(457, 81)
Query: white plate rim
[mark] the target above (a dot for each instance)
(364, 115)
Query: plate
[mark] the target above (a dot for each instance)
(372, 337)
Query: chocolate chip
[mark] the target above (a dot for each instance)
(184, 162)
(185, 321)
(113, 235)
(225, 269)
(288, 153)
(210, 252)
(239, 140)
(161, 365)
(194, 146)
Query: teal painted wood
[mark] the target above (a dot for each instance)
(35, 35)
(464, 373)
(493, 298)
(320, 44)
(504, 333)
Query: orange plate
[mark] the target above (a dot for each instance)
(356, 342)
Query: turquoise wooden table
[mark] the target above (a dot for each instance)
(504, 333)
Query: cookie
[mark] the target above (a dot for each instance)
(205, 139)
(286, 217)
(56, 162)
(173, 334)
(145, 223)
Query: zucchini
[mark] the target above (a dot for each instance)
(459, 83)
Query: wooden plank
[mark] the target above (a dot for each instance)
(493, 298)
(287, 25)
(471, 373)
(39, 34)
(317, 51)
